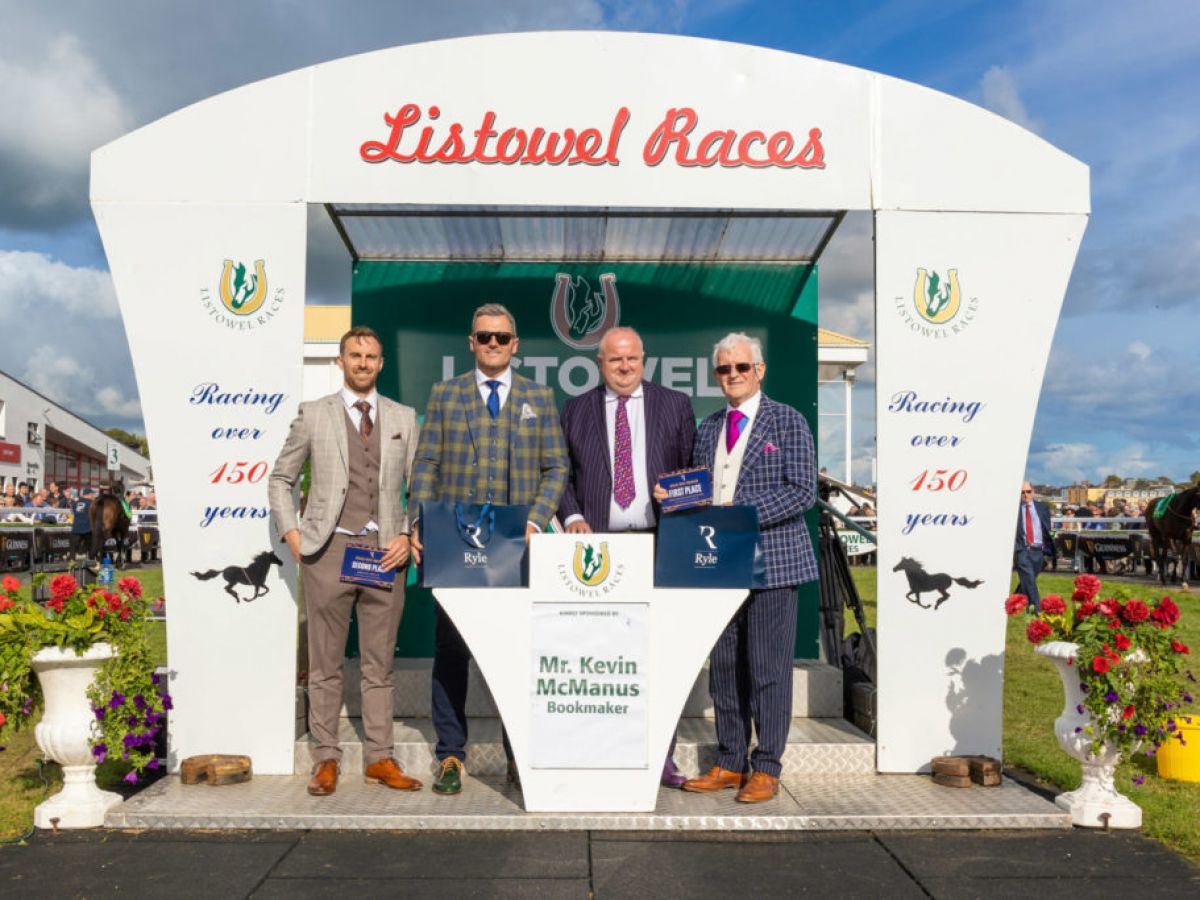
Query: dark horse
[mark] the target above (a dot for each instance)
(1172, 532)
(253, 575)
(109, 519)
(920, 581)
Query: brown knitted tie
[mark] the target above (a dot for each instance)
(364, 421)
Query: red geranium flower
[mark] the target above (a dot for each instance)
(1166, 611)
(5, 603)
(1128, 712)
(1038, 631)
(1179, 648)
(2, 718)
(1085, 609)
(1110, 607)
(131, 586)
(1122, 641)
(113, 601)
(1135, 611)
(1053, 605)
(1089, 585)
(63, 585)
(1015, 604)
(126, 613)
(10, 583)
(1100, 664)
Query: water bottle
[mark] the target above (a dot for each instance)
(105, 578)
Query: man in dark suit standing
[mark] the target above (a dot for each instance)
(621, 436)
(491, 436)
(1034, 541)
(761, 454)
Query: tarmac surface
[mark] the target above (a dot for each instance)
(260, 864)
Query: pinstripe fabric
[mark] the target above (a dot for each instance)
(750, 679)
(781, 484)
(447, 461)
(670, 432)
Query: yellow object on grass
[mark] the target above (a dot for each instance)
(1181, 762)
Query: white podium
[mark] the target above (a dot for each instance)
(590, 666)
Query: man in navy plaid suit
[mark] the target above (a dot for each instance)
(489, 436)
(761, 454)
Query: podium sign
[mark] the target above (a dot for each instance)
(589, 667)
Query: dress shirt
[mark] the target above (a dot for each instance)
(505, 379)
(1036, 538)
(350, 398)
(640, 514)
(749, 409)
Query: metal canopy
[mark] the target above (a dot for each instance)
(397, 232)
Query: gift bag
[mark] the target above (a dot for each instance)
(709, 547)
(473, 545)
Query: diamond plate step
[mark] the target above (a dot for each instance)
(816, 691)
(815, 747)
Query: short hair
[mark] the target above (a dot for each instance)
(615, 329)
(494, 309)
(359, 331)
(733, 339)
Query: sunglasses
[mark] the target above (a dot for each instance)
(502, 337)
(1026, 492)
(727, 369)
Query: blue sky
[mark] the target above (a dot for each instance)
(1113, 84)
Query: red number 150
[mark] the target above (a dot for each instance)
(238, 472)
(939, 480)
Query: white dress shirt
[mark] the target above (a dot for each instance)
(505, 379)
(640, 513)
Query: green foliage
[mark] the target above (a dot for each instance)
(129, 439)
(1113, 481)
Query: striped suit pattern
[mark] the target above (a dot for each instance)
(750, 671)
(447, 468)
(670, 433)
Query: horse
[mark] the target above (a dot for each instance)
(109, 519)
(920, 582)
(253, 575)
(1172, 532)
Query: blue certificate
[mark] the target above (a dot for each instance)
(360, 565)
(686, 488)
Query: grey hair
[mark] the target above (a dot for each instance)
(731, 340)
(494, 309)
(618, 330)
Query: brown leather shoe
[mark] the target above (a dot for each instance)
(717, 779)
(324, 780)
(387, 771)
(759, 788)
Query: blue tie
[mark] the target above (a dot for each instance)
(493, 401)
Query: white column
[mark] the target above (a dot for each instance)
(848, 376)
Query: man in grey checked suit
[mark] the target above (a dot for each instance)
(360, 446)
(489, 436)
(761, 454)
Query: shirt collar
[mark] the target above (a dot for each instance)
(350, 398)
(505, 377)
(749, 408)
(610, 395)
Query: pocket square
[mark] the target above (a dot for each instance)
(398, 436)
(527, 412)
(770, 448)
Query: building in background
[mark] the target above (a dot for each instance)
(42, 441)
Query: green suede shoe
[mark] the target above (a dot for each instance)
(449, 780)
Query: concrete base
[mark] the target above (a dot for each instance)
(80, 804)
(1094, 807)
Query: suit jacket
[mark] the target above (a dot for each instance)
(670, 433)
(781, 483)
(1043, 514)
(446, 464)
(318, 434)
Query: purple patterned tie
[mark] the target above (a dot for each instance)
(623, 487)
(733, 428)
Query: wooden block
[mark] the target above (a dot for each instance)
(955, 781)
(216, 769)
(958, 766)
(986, 771)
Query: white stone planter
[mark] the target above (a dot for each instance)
(1097, 798)
(63, 735)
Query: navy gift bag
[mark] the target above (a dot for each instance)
(709, 547)
(473, 545)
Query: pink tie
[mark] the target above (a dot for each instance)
(733, 428)
(623, 487)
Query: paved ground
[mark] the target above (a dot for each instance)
(598, 864)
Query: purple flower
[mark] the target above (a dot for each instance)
(98, 711)
(100, 751)
(140, 702)
(1078, 729)
(1140, 730)
(130, 741)
(1083, 687)
(153, 764)
(131, 778)
(1121, 728)
(27, 707)
(1187, 698)
(116, 701)
(1171, 726)
(132, 721)
(1111, 697)
(1079, 709)
(154, 679)
(1150, 752)
(166, 700)
(1139, 780)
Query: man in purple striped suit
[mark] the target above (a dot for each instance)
(621, 436)
(761, 454)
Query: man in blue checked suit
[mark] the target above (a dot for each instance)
(761, 454)
(489, 436)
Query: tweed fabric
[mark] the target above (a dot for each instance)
(779, 478)
(362, 495)
(451, 449)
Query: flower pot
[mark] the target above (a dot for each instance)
(1177, 761)
(1095, 803)
(63, 735)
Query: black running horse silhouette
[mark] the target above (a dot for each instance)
(253, 575)
(921, 582)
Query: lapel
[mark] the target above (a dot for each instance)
(599, 426)
(384, 423)
(653, 423)
(757, 439)
(512, 410)
(337, 421)
(706, 440)
(468, 397)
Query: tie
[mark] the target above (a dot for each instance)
(364, 421)
(1029, 524)
(733, 428)
(623, 487)
(493, 400)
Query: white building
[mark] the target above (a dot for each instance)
(41, 441)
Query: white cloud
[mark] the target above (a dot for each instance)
(38, 291)
(1070, 462)
(998, 88)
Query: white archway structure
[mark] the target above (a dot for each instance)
(977, 226)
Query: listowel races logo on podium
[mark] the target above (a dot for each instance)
(580, 316)
(592, 572)
(938, 302)
(243, 294)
